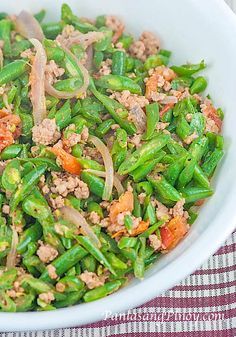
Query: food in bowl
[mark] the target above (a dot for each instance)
(106, 155)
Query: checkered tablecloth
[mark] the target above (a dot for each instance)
(202, 305)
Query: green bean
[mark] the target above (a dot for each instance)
(71, 299)
(38, 285)
(95, 184)
(6, 303)
(183, 129)
(51, 163)
(187, 174)
(152, 229)
(129, 64)
(182, 82)
(118, 63)
(104, 127)
(40, 15)
(154, 61)
(137, 206)
(89, 263)
(127, 242)
(164, 189)
(198, 85)
(200, 177)
(98, 57)
(65, 261)
(77, 151)
(53, 51)
(126, 41)
(52, 29)
(193, 194)
(31, 234)
(174, 169)
(7, 278)
(115, 262)
(27, 124)
(102, 291)
(69, 18)
(111, 106)
(11, 176)
(144, 186)
(5, 35)
(139, 265)
(3, 15)
(95, 207)
(12, 71)
(19, 46)
(118, 83)
(93, 250)
(146, 152)
(152, 112)
(25, 303)
(198, 123)
(198, 148)
(188, 69)
(72, 283)
(142, 171)
(69, 84)
(150, 214)
(212, 161)
(105, 43)
(26, 185)
(90, 164)
(63, 115)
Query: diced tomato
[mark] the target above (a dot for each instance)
(142, 226)
(6, 138)
(166, 108)
(173, 232)
(167, 237)
(124, 204)
(68, 162)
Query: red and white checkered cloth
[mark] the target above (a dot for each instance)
(203, 305)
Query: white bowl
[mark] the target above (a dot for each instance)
(193, 30)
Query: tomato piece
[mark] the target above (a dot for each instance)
(142, 226)
(166, 108)
(68, 162)
(167, 238)
(124, 204)
(6, 138)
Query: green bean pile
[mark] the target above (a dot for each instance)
(106, 155)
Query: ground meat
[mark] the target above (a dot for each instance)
(188, 140)
(28, 53)
(136, 140)
(85, 134)
(93, 153)
(151, 43)
(180, 94)
(46, 253)
(47, 297)
(57, 202)
(161, 126)
(129, 100)
(6, 209)
(155, 243)
(162, 211)
(53, 71)
(52, 272)
(60, 287)
(82, 191)
(105, 68)
(148, 44)
(141, 198)
(178, 210)
(92, 280)
(114, 23)
(138, 117)
(65, 183)
(94, 217)
(211, 126)
(137, 50)
(105, 222)
(46, 133)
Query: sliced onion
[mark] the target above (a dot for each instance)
(85, 40)
(75, 217)
(28, 26)
(138, 117)
(64, 94)
(11, 257)
(108, 163)
(89, 60)
(37, 79)
(116, 180)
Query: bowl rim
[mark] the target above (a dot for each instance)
(132, 297)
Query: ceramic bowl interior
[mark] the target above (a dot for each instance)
(192, 30)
